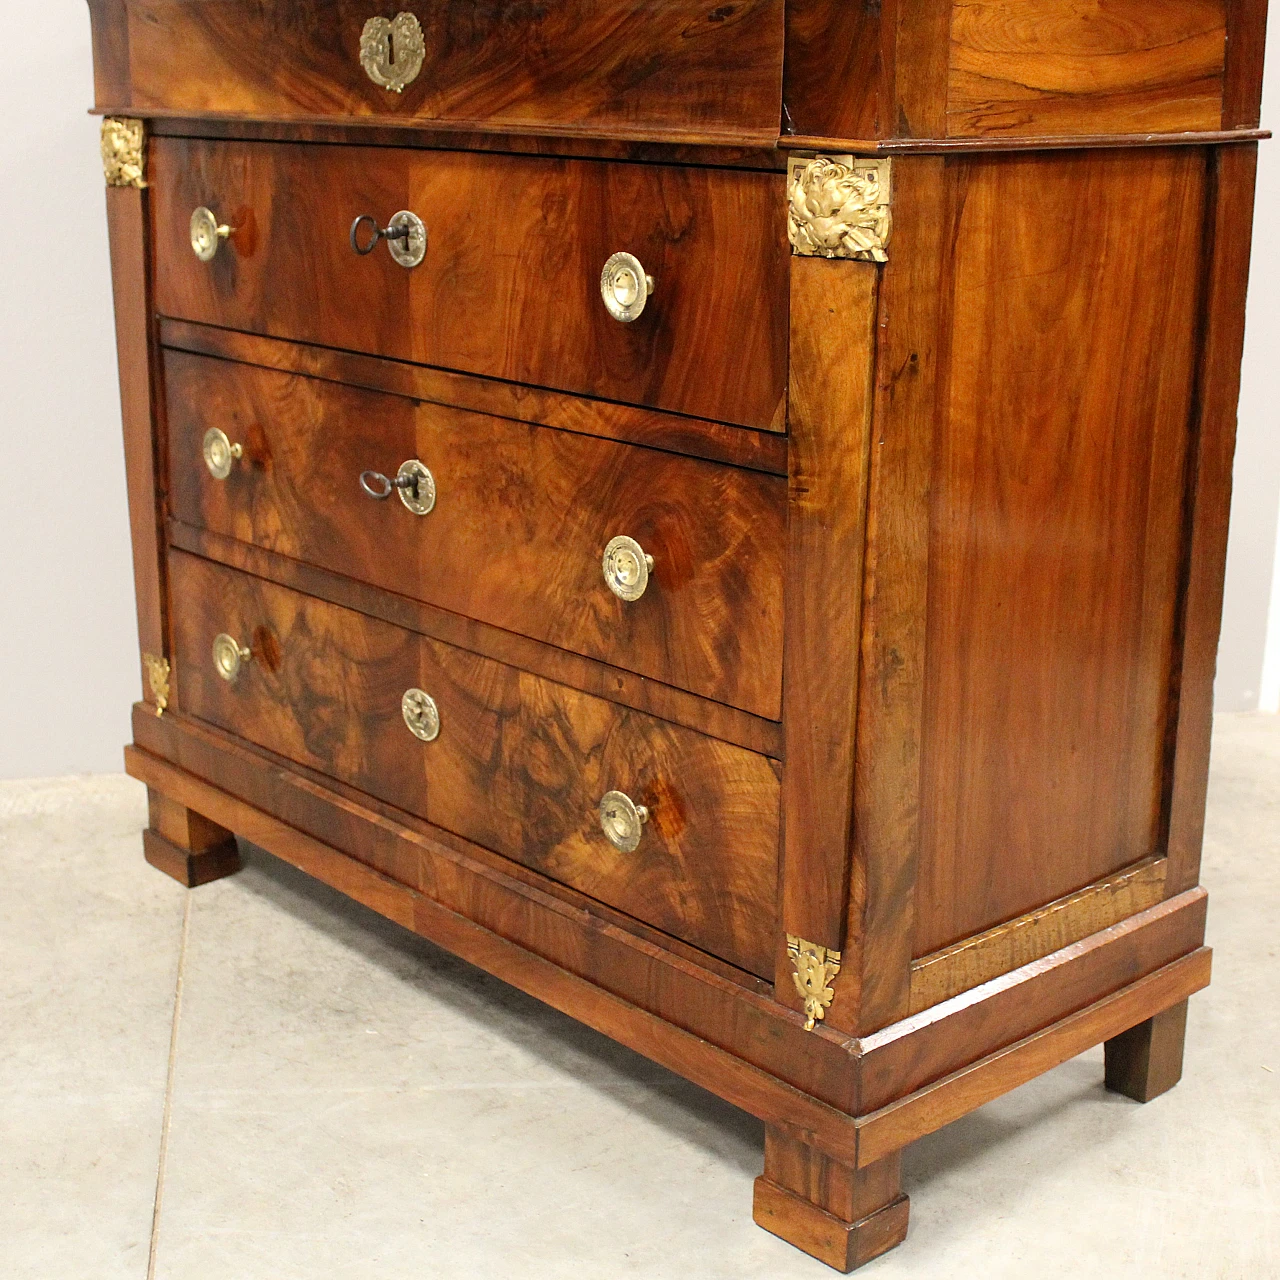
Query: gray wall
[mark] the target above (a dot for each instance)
(68, 650)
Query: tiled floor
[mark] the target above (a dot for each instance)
(264, 1080)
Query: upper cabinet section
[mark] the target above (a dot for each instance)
(664, 70)
(1021, 69)
(696, 71)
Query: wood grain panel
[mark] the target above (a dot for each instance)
(511, 282)
(833, 314)
(521, 519)
(127, 231)
(764, 156)
(758, 450)
(833, 74)
(109, 22)
(954, 969)
(519, 766)
(715, 719)
(1246, 45)
(1062, 66)
(1056, 528)
(919, 33)
(679, 70)
(1226, 278)
(888, 742)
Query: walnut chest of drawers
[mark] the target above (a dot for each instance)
(713, 512)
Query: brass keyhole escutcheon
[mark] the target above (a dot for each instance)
(220, 453)
(421, 714)
(622, 820)
(392, 51)
(626, 568)
(207, 234)
(229, 655)
(625, 287)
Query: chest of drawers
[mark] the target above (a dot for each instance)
(714, 513)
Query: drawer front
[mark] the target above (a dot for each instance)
(679, 69)
(520, 522)
(510, 284)
(520, 764)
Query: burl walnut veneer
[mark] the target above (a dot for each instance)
(713, 512)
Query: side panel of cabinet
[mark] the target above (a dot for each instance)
(1054, 512)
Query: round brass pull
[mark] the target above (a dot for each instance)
(421, 714)
(207, 233)
(625, 287)
(622, 820)
(414, 483)
(405, 234)
(228, 656)
(627, 568)
(220, 453)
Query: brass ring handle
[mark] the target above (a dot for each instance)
(421, 714)
(625, 287)
(220, 453)
(414, 483)
(627, 567)
(207, 234)
(622, 820)
(405, 234)
(229, 655)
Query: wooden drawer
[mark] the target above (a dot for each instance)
(521, 518)
(520, 764)
(510, 284)
(681, 70)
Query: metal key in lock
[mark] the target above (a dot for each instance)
(413, 482)
(405, 234)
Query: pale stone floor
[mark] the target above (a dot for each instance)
(336, 1098)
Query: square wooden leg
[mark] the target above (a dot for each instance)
(839, 1215)
(1146, 1060)
(186, 845)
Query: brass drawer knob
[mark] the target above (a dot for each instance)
(405, 234)
(414, 483)
(627, 568)
(207, 234)
(220, 453)
(421, 714)
(622, 820)
(625, 287)
(228, 656)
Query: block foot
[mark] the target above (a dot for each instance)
(841, 1216)
(185, 845)
(1146, 1061)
